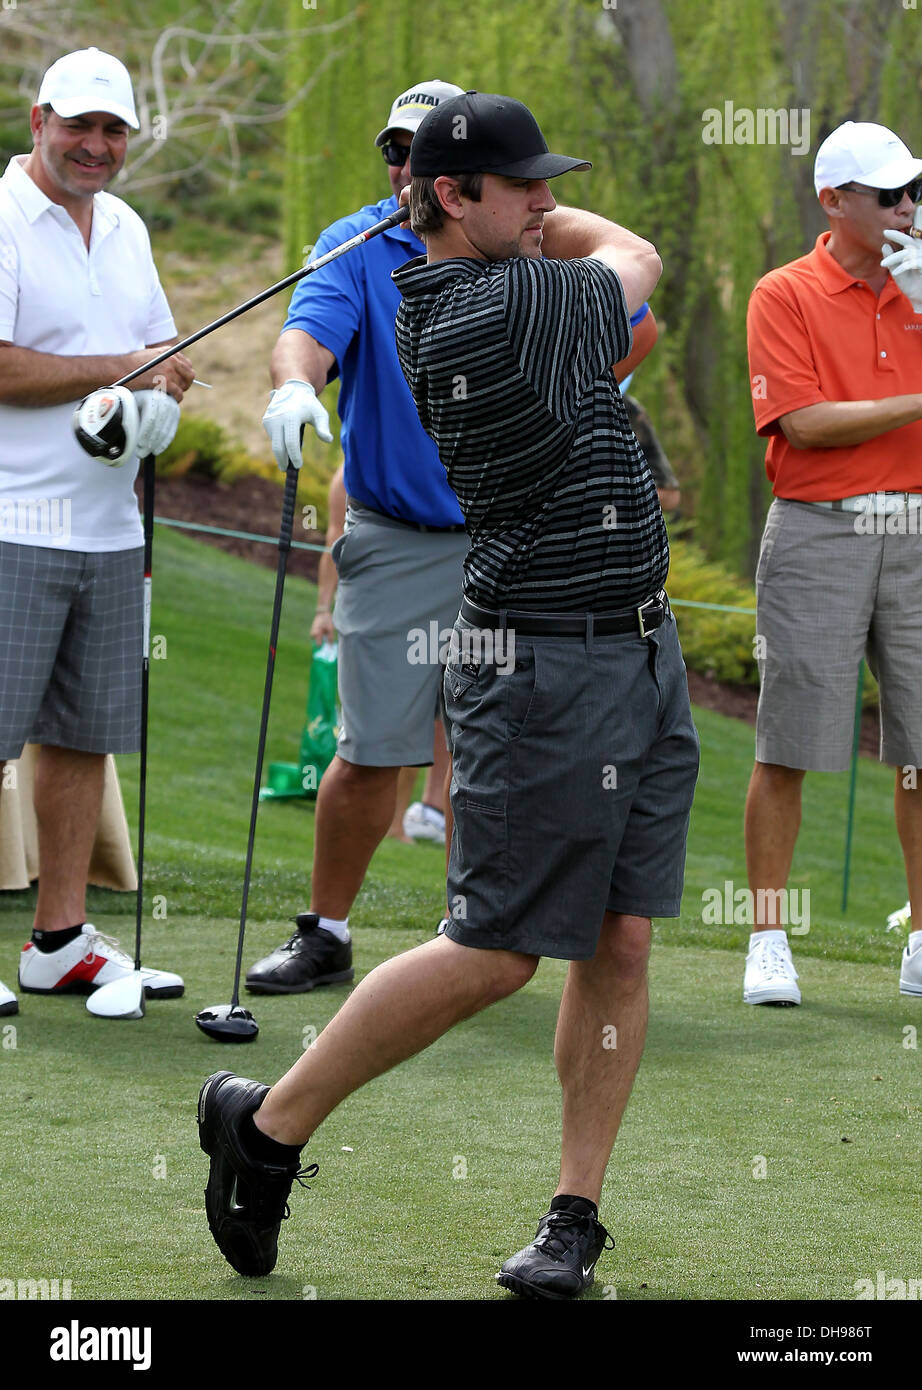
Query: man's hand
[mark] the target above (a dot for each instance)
(905, 265)
(294, 404)
(322, 629)
(159, 420)
(174, 376)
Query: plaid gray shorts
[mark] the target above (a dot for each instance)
(70, 648)
(833, 587)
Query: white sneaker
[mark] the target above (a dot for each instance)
(900, 920)
(85, 963)
(770, 975)
(910, 972)
(421, 822)
(8, 1003)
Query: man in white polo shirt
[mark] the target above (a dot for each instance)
(80, 307)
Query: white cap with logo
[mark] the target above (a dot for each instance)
(89, 80)
(863, 152)
(416, 102)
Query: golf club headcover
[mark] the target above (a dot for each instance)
(106, 425)
(159, 414)
(292, 406)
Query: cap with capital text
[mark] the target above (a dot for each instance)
(413, 105)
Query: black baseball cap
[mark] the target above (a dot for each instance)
(478, 133)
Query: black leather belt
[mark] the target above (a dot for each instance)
(644, 619)
(402, 521)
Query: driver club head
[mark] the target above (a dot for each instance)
(120, 998)
(227, 1023)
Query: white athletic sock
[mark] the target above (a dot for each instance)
(338, 929)
(915, 942)
(769, 934)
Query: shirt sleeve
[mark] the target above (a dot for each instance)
(782, 369)
(9, 286)
(328, 303)
(160, 325)
(567, 324)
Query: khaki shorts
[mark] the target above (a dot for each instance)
(829, 594)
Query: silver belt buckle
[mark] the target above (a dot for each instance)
(640, 624)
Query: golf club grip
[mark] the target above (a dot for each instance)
(288, 506)
(393, 220)
(288, 511)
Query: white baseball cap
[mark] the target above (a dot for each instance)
(416, 102)
(863, 152)
(89, 80)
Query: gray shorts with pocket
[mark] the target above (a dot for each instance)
(70, 648)
(398, 596)
(573, 776)
(828, 593)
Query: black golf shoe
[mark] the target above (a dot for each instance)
(561, 1260)
(246, 1200)
(311, 957)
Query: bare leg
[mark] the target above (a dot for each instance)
(406, 779)
(355, 805)
(908, 809)
(68, 798)
(396, 1011)
(601, 1030)
(434, 793)
(772, 822)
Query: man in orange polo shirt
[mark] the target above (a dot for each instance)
(835, 351)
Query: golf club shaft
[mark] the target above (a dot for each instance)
(393, 220)
(149, 474)
(288, 512)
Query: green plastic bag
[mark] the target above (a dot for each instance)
(321, 728)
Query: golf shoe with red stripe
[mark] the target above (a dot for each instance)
(86, 963)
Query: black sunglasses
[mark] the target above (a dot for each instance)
(888, 197)
(394, 154)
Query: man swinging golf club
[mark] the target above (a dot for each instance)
(574, 764)
(80, 305)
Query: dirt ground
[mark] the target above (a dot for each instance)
(233, 360)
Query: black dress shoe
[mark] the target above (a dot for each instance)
(311, 957)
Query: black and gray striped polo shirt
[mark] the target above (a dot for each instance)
(509, 363)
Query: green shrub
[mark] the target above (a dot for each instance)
(718, 644)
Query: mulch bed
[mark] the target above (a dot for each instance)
(255, 504)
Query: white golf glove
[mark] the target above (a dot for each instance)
(158, 421)
(293, 405)
(905, 265)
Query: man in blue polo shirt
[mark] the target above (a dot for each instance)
(399, 561)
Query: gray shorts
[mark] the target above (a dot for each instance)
(828, 594)
(398, 597)
(573, 779)
(70, 648)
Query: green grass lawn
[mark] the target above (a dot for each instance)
(434, 1173)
